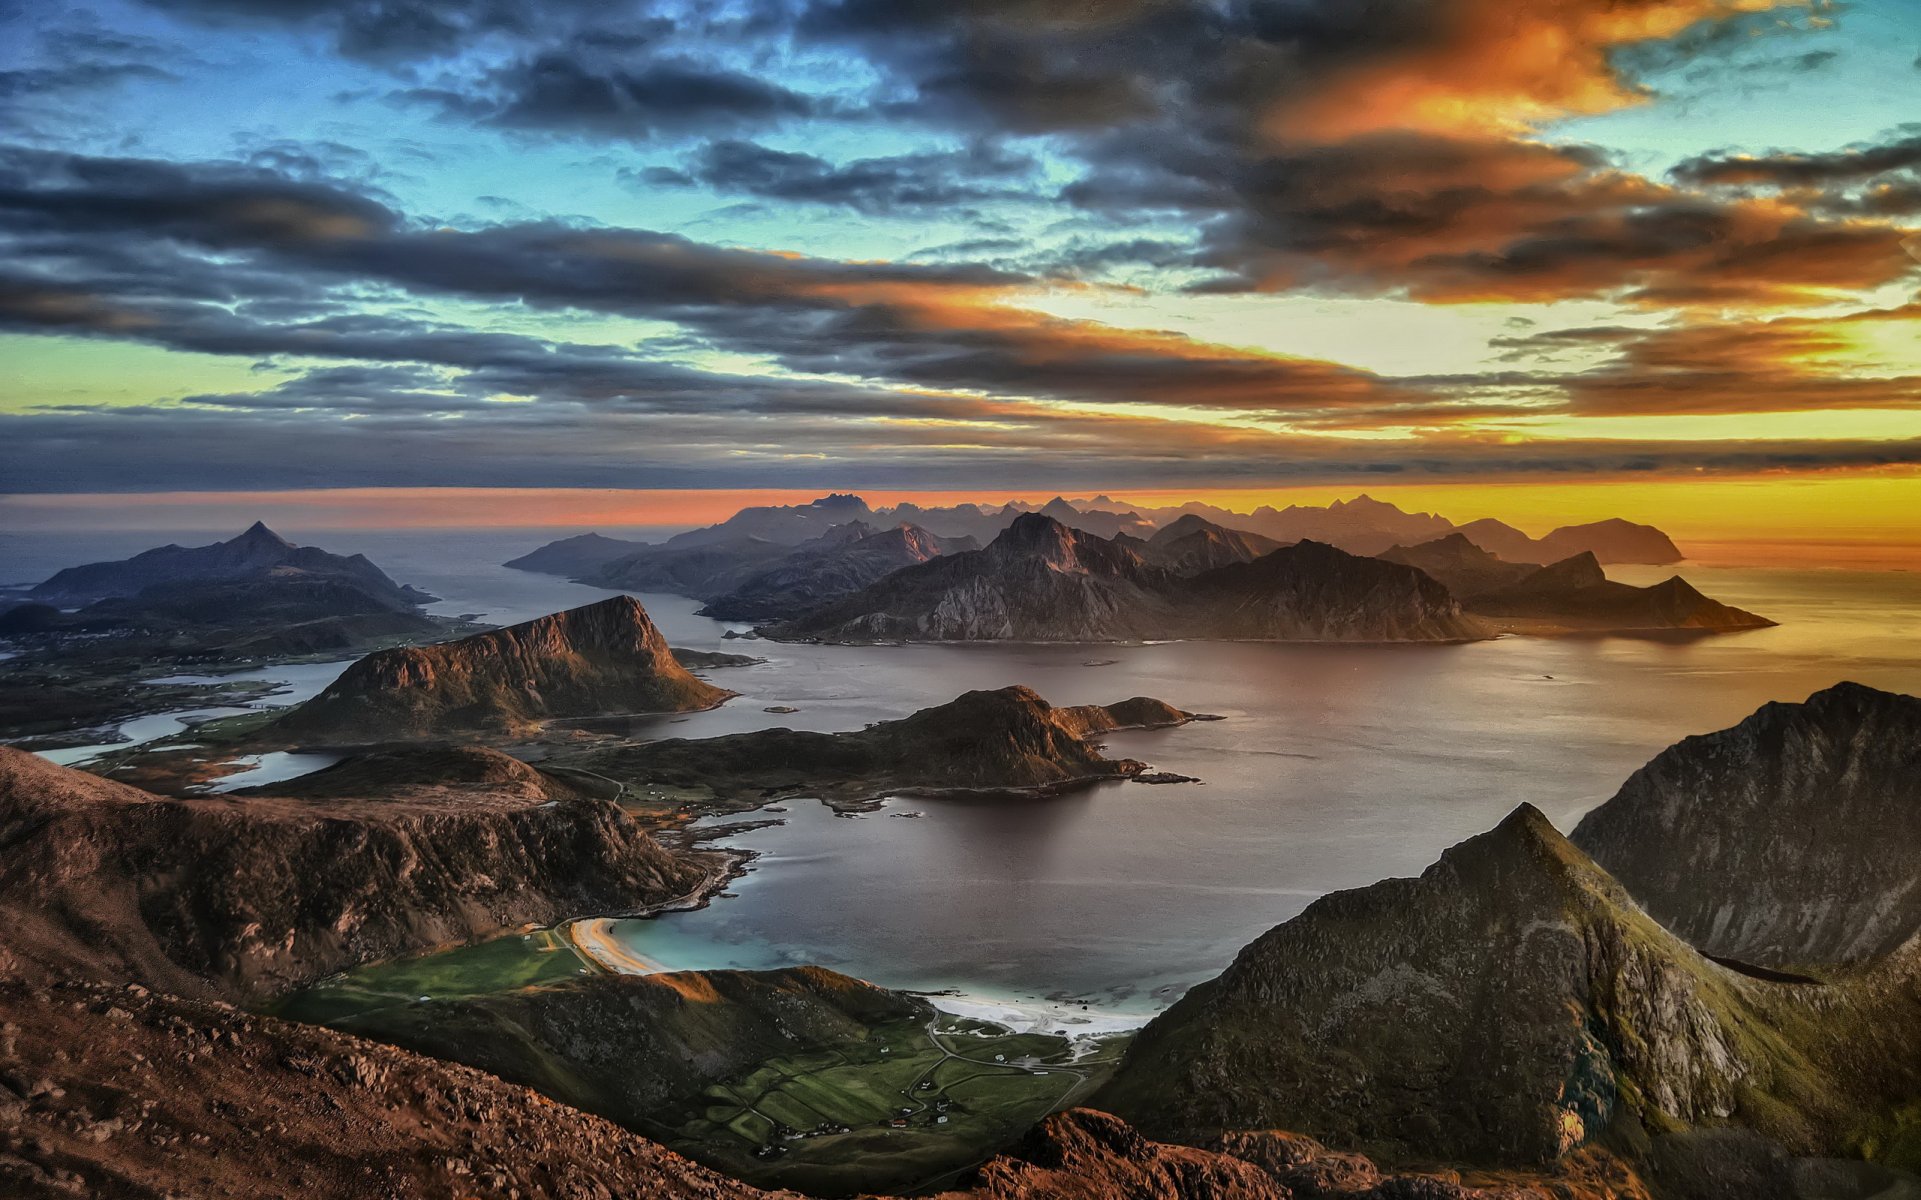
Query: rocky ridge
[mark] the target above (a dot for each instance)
(1789, 840)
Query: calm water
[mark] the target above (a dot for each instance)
(1336, 766)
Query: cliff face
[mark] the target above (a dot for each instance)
(604, 658)
(1041, 581)
(1509, 1005)
(258, 553)
(1009, 738)
(1792, 838)
(249, 896)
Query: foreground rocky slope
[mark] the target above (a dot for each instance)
(1042, 581)
(1002, 740)
(246, 897)
(604, 658)
(1792, 839)
(1512, 1004)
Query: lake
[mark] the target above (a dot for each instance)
(1335, 766)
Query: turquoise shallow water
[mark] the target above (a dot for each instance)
(1336, 766)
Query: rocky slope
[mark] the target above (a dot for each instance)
(1575, 595)
(1792, 839)
(1009, 739)
(247, 896)
(1041, 581)
(700, 569)
(577, 556)
(830, 567)
(116, 1092)
(259, 553)
(1511, 1005)
(604, 658)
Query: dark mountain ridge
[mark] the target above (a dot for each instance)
(1788, 840)
(256, 554)
(1042, 581)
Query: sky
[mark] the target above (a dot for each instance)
(1006, 246)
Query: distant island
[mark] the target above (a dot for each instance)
(1004, 740)
(86, 637)
(606, 657)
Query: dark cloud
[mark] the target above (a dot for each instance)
(564, 91)
(943, 179)
(401, 31)
(1785, 169)
(933, 325)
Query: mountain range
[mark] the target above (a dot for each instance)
(1043, 581)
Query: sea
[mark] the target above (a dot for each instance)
(1333, 767)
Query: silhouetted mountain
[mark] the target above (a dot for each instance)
(1041, 581)
(1791, 839)
(1610, 541)
(1192, 544)
(1460, 565)
(829, 567)
(785, 524)
(603, 658)
(1575, 595)
(257, 554)
(577, 556)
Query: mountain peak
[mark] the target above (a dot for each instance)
(257, 534)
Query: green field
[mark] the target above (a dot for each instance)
(500, 965)
(909, 1107)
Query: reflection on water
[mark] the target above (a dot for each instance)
(1336, 766)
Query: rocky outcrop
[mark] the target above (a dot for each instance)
(830, 567)
(1003, 740)
(257, 554)
(1793, 838)
(601, 659)
(1042, 581)
(577, 556)
(249, 896)
(1511, 1005)
(1575, 595)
